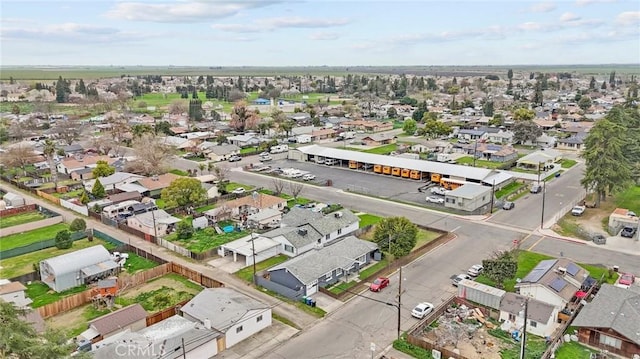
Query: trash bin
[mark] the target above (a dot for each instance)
(304, 299)
(307, 301)
(557, 174)
(313, 303)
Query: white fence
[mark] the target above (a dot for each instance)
(174, 247)
(74, 207)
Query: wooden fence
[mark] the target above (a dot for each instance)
(65, 304)
(126, 281)
(164, 314)
(195, 276)
(17, 210)
(48, 197)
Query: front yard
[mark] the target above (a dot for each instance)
(205, 239)
(468, 160)
(247, 272)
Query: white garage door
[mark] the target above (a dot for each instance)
(312, 288)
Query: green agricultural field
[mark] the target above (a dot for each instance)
(20, 218)
(13, 267)
(36, 235)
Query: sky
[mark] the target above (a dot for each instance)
(319, 32)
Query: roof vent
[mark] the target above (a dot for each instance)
(562, 270)
(154, 178)
(338, 214)
(302, 231)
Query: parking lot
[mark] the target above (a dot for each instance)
(359, 181)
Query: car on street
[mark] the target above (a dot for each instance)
(599, 239)
(309, 177)
(475, 270)
(455, 281)
(433, 199)
(378, 284)
(239, 190)
(578, 210)
(508, 205)
(628, 232)
(627, 279)
(266, 158)
(235, 158)
(439, 191)
(536, 188)
(264, 154)
(421, 310)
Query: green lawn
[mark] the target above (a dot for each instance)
(528, 260)
(163, 100)
(567, 163)
(135, 263)
(23, 264)
(535, 345)
(382, 150)
(509, 189)
(247, 273)
(573, 350)
(205, 208)
(21, 218)
(205, 239)
(248, 150)
(629, 199)
(374, 268)
(69, 195)
(42, 295)
(424, 237)
(368, 219)
(36, 235)
(178, 172)
(232, 185)
(468, 160)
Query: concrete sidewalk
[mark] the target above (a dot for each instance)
(614, 243)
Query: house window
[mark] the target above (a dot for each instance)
(338, 272)
(512, 318)
(610, 341)
(340, 231)
(288, 248)
(239, 329)
(259, 319)
(328, 275)
(533, 324)
(361, 259)
(327, 236)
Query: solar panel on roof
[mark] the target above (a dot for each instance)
(540, 270)
(572, 269)
(558, 284)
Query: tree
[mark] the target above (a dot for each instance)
(49, 151)
(163, 127)
(295, 188)
(526, 131)
(138, 130)
(396, 233)
(410, 126)
(103, 169)
(19, 155)
(584, 103)
(434, 128)
(195, 110)
(84, 198)
(278, 186)
(62, 90)
(63, 240)
(202, 167)
(510, 74)
(68, 131)
(487, 108)
(392, 112)
(592, 83)
(98, 190)
(184, 230)
(419, 112)
(501, 267)
(523, 114)
(78, 224)
(242, 118)
(183, 191)
(608, 170)
(151, 154)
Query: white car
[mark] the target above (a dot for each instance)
(455, 281)
(439, 191)
(433, 199)
(239, 190)
(421, 310)
(475, 270)
(309, 177)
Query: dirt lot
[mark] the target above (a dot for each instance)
(591, 222)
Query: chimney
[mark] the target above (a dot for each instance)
(302, 232)
(207, 323)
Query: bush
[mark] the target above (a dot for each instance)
(184, 230)
(78, 224)
(411, 349)
(63, 240)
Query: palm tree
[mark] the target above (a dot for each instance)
(211, 166)
(49, 152)
(202, 167)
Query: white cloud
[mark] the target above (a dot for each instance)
(182, 11)
(567, 16)
(628, 18)
(590, 2)
(324, 36)
(272, 24)
(72, 32)
(531, 26)
(542, 7)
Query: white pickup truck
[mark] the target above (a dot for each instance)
(578, 210)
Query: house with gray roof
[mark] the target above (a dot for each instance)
(542, 318)
(544, 157)
(236, 315)
(469, 197)
(220, 152)
(323, 266)
(132, 317)
(245, 140)
(76, 268)
(155, 223)
(611, 321)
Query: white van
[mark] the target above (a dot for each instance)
(330, 162)
(319, 160)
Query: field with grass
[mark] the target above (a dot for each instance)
(573, 350)
(247, 273)
(13, 267)
(42, 295)
(368, 219)
(535, 345)
(135, 263)
(509, 189)
(205, 239)
(567, 163)
(232, 185)
(382, 150)
(528, 260)
(20, 218)
(160, 293)
(36, 235)
(468, 160)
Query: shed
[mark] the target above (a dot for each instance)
(200, 222)
(480, 293)
(13, 200)
(468, 197)
(80, 267)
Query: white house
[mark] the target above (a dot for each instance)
(145, 222)
(111, 182)
(13, 292)
(244, 249)
(232, 313)
(542, 318)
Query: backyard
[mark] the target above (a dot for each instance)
(21, 218)
(247, 272)
(205, 239)
(13, 267)
(509, 189)
(468, 161)
(36, 235)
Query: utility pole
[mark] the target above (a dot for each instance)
(184, 350)
(539, 163)
(475, 150)
(544, 191)
(253, 250)
(399, 300)
(523, 337)
(493, 194)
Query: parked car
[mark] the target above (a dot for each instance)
(265, 158)
(599, 239)
(536, 188)
(262, 154)
(439, 191)
(475, 270)
(627, 232)
(627, 279)
(455, 281)
(578, 210)
(433, 199)
(235, 158)
(309, 177)
(421, 310)
(508, 205)
(239, 190)
(379, 284)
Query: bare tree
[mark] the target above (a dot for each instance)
(17, 131)
(295, 188)
(102, 144)
(152, 154)
(221, 173)
(177, 107)
(68, 131)
(278, 186)
(19, 155)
